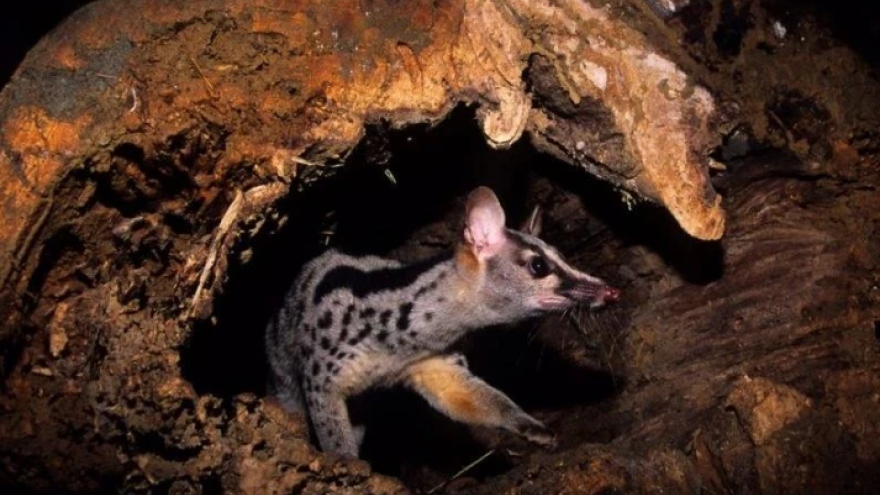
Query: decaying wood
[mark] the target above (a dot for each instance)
(143, 142)
(255, 88)
(305, 79)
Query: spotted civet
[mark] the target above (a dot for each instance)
(350, 323)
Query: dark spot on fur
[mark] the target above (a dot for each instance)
(429, 316)
(334, 351)
(326, 320)
(403, 319)
(385, 317)
(325, 343)
(430, 287)
(441, 299)
(413, 334)
(363, 283)
(346, 318)
(305, 352)
(361, 335)
(316, 368)
(368, 312)
(343, 334)
(342, 355)
(382, 335)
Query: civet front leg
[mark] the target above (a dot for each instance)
(447, 384)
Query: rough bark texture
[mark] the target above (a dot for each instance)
(145, 146)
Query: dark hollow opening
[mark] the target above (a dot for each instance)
(401, 193)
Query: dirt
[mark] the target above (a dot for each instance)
(747, 365)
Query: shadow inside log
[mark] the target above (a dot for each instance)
(644, 224)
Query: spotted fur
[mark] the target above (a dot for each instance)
(350, 323)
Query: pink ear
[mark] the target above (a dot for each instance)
(485, 223)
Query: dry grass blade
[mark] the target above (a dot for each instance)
(462, 471)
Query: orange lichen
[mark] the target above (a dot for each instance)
(41, 141)
(66, 57)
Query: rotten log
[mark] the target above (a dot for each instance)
(145, 144)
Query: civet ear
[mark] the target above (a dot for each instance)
(532, 225)
(484, 229)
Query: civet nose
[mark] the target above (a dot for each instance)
(610, 294)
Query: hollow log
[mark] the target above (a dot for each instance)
(148, 148)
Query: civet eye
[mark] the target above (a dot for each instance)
(538, 267)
